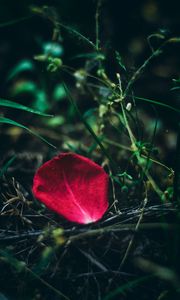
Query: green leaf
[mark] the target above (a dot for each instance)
(59, 93)
(44, 261)
(16, 105)
(174, 40)
(17, 264)
(176, 83)
(176, 80)
(24, 87)
(125, 175)
(56, 121)
(14, 123)
(23, 66)
(52, 48)
(72, 147)
(41, 103)
(175, 88)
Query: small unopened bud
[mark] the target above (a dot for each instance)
(40, 57)
(118, 100)
(78, 85)
(80, 75)
(113, 85)
(103, 109)
(128, 106)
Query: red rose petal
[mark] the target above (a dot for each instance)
(74, 187)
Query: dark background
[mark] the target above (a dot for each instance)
(124, 26)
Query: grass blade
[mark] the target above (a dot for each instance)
(6, 166)
(14, 21)
(14, 123)
(158, 103)
(177, 171)
(12, 104)
(126, 287)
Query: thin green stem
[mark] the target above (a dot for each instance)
(118, 145)
(132, 239)
(177, 171)
(57, 292)
(134, 142)
(121, 228)
(99, 3)
(88, 127)
(140, 70)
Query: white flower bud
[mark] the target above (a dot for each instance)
(128, 106)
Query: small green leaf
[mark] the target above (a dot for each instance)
(59, 92)
(54, 64)
(53, 49)
(176, 83)
(44, 261)
(125, 175)
(174, 40)
(8, 258)
(24, 87)
(124, 189)
(73, 147)
(23, 66)
(175, 88)
(56, 121)
(176, 80)
(119, 60)
(41, 102)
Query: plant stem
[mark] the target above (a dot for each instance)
(99, 3)
(97, 140)
(177, 171)
(139, 158)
